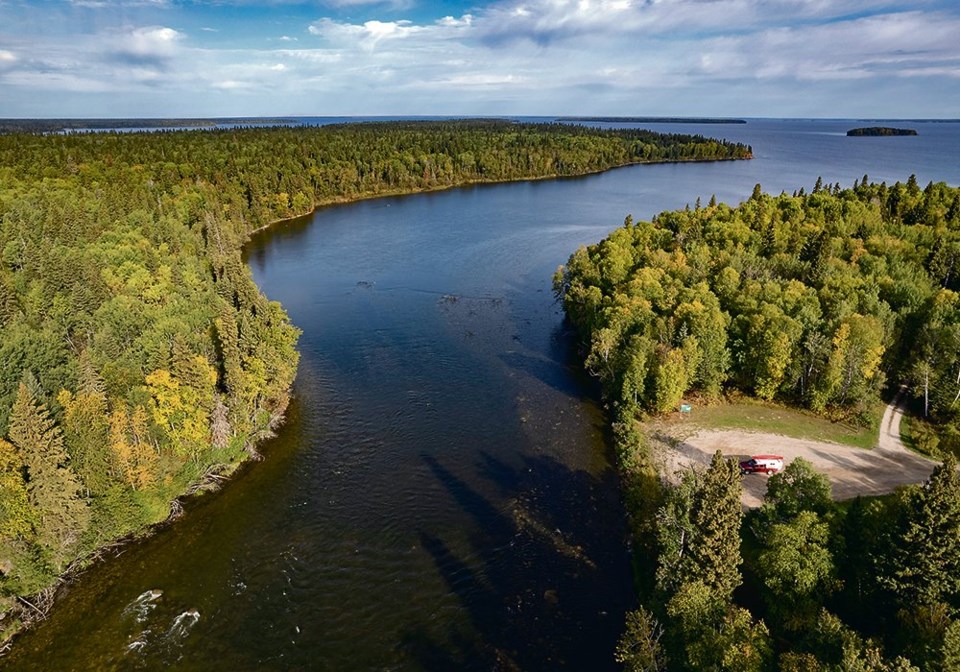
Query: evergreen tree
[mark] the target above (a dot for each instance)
(950, 654)
(639, 648)
(86, 430)
(716, 514)
(699, 530)
(921, 634)
(52, 488)
(924, 563)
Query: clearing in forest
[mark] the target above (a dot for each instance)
(852, 471)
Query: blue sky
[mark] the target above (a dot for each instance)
(774, 58)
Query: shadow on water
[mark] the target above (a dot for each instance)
(558, 365)
(552, 373)
(536, 581)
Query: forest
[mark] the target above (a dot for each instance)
(138, 360)
(87, 124)
(822, 300)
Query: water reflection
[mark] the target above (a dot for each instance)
(523, 565)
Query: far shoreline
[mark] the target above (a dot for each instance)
(474, 183)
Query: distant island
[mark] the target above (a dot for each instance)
(879, 131)
(657, 120)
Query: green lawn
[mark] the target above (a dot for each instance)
(762, 417)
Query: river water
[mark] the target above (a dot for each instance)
(442, 496)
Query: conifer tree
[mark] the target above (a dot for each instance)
(639, 648)
(924, 565)
(699, 529)
(951, 648)
(716, 514)
(86, 429)
(52, 487)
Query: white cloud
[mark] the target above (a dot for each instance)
(931, 71)
(877, 46)
(232, 85)
(393, 4)
(463, 21)
(152, 41)
(117, 4)
(734, 57)
(617, 50)
(370, 34)
(484, 80)
(313, 56)
(367, 35)
(548, 21)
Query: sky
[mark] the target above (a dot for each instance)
(733, 58)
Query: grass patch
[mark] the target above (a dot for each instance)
(759, 416)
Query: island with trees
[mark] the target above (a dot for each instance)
(817, 300)
(138, 360)
(879, 131)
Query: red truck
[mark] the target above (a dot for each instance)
(762, 464)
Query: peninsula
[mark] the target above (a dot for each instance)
(719, 303)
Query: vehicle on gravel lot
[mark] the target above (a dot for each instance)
(762, 464)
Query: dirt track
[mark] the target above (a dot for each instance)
(852, 471)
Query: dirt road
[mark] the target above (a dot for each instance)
(852, 471)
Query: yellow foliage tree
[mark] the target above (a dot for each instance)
(134, 454)
(183, 410)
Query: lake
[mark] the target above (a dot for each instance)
(442, 495)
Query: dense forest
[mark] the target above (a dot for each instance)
(819, 300)
(138, 361)
(879, 131)
(82, 125)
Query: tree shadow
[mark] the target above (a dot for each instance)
(546, 581)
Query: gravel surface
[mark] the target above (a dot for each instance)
(852, 471)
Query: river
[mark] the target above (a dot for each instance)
(442, 495)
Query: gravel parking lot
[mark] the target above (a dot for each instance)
(852, 471)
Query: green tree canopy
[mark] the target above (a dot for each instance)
(798, 487)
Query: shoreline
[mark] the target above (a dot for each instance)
(24, 614)
(473, 183)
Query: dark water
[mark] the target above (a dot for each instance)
(442, 495)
